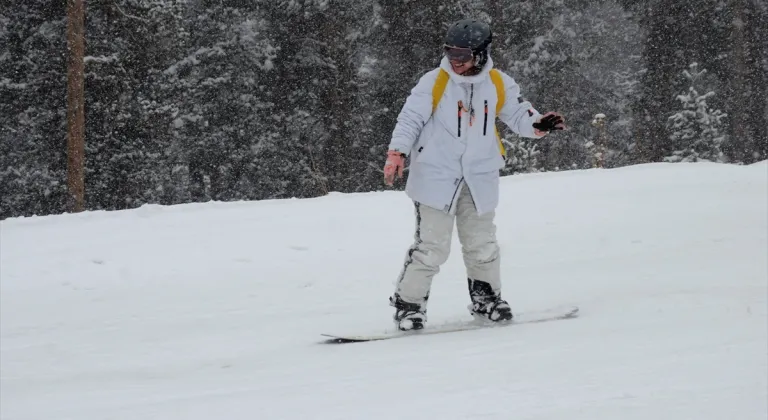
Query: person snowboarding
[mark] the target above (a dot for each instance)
(447, 129)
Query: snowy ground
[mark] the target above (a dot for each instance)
(213, 311)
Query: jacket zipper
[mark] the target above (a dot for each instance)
(459, 118)
(485, 120)
(471, 106)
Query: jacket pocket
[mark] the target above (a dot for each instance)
(438, 147)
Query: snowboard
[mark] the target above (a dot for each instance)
(525, 317)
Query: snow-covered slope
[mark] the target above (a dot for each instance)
(213, 311)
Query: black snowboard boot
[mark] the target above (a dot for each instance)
(408, 316)
(487, 304)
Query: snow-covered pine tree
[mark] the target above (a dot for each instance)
(224, 126)
(33, 84)
(522, 155)
(696, 131)
(575, 57)
(129, 44)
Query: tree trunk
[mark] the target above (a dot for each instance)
(739, 91)
(75, 106)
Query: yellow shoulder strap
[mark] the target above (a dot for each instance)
(499, 83)
(442, 81)
(439, 88)
(501, 97)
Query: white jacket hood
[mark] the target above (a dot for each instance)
(445, 64)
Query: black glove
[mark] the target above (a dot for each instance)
(550, 121)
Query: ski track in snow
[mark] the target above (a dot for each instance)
(214, 310)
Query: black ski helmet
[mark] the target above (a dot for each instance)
(473, 34)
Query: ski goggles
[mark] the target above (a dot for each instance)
(458, 54)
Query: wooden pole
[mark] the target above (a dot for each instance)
(75, 106)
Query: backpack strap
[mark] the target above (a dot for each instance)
(437, 91)
(501, 96)
(500, 93)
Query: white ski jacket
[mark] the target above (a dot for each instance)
(446, 150)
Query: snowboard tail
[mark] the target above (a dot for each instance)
(527, 317)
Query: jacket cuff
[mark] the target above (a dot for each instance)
(399, 148)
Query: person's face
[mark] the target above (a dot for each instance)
(461, 59)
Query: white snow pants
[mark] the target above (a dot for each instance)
(432, 246)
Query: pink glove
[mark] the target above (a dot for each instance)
(395, 163)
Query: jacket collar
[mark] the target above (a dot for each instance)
(477, 78)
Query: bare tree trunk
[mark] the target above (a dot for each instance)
(75, 106)
(739, 91)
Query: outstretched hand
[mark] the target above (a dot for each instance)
(549, 122)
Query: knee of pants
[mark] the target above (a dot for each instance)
(482, 252)
(432, 254)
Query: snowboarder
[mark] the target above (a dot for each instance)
(447, 129)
